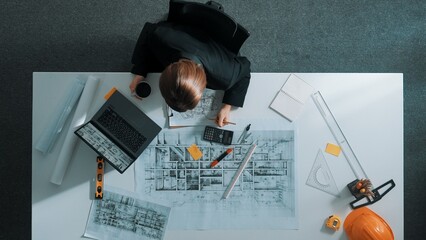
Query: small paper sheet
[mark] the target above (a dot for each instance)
(291, 98)
(332, 149)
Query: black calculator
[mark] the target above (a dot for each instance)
(218, 135)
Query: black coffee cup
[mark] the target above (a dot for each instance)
(142, 90)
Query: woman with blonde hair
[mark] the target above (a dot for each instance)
(190, 61)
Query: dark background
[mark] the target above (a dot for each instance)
(286, 36)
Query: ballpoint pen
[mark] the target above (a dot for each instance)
(243, 134)
(245, 137)
(222, 156)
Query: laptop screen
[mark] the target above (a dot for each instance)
(119, 131)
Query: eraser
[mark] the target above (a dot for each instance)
(195, 152)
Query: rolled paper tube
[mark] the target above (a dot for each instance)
(51, 133)
(71, 139)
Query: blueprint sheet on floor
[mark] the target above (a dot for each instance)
(263, 198)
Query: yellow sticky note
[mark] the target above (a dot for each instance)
(195, 152)
(332, 149)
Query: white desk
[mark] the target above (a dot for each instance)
(368, 107)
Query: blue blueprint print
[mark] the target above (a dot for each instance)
(263, 198)
(121, 216)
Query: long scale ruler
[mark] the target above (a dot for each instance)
(350, 156)
(240, 170)
(338, 135)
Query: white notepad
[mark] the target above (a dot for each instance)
(291, 98)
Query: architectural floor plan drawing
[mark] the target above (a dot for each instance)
(119, 216)
(206, 109)
(263, 198)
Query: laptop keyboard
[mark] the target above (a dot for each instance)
(121, 130)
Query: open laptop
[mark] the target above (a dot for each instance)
(119, 131)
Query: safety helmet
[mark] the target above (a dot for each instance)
(364, 224)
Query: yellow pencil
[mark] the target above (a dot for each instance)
(225, 122)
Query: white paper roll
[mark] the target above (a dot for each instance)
(71, 139)
(50, 134)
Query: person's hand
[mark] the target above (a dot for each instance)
(137, 79)
(223, 115)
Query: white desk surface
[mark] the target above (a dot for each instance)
(368, 108)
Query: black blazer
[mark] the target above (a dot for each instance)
(164, 43)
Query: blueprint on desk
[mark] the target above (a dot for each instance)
(207, 109)
(263, 198)
(123, 215)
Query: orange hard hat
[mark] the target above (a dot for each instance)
(364, 224)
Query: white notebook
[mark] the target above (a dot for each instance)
(291, 98)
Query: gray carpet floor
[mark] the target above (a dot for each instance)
(286, 36)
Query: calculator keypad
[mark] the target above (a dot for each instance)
(217, 135)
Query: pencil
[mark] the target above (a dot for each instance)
(225, 122)
(239, 171)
